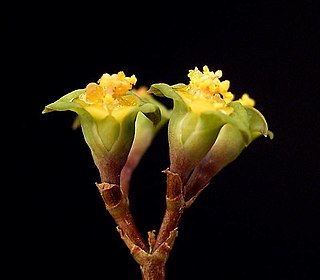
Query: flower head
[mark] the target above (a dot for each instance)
(107, 111)
(201, 109)
(206, 92)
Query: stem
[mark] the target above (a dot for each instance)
(118, 207)
(153, 265)
(174, 210)
(154, 269)
(109, 168)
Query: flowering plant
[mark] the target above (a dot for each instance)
(207, 129)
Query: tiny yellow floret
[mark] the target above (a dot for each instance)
(246, 100)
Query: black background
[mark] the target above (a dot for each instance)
(259, 217)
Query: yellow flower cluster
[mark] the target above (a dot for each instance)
(108, 88)
(205, 91)
(108, 95)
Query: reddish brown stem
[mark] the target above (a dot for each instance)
(118, 206)
(153, 269)
(174, 208)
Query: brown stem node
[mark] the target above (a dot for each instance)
(174, 185)
(111, 194)
(118, 207)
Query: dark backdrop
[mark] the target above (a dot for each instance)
(259, 217)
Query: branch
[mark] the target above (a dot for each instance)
(118, 207)
(174, 208)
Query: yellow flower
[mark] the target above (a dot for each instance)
(206, 91)
(108, 96)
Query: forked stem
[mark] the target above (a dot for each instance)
(152, 255)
